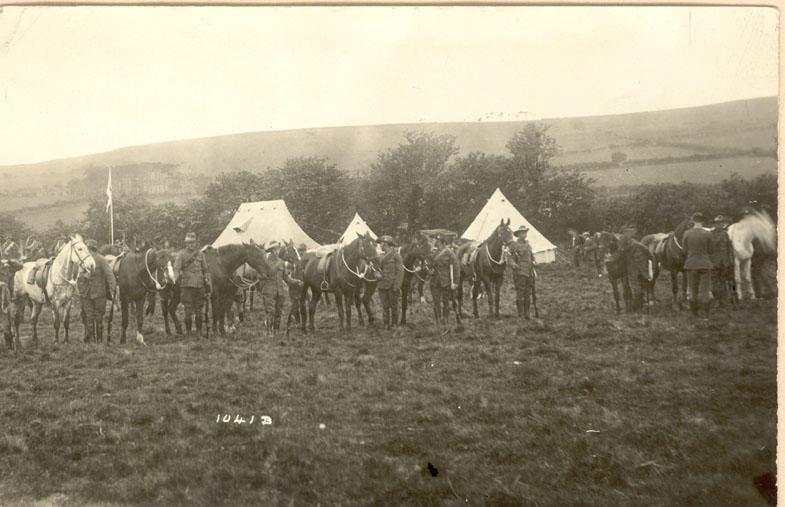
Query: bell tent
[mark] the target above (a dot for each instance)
(357, 225)
(263, 221)
(498, 208)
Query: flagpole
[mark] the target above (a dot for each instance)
(110, 206)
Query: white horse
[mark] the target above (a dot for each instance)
(756, 230)
(71, 260)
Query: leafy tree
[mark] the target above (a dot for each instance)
(317, 193)
(11, 227)
(402, 176)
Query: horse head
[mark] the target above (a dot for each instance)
(502, 233)
(289, 253)
(78, 253)
(366, 247)
(256, 257)
(163, 261)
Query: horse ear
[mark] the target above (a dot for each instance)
(359, 235)
(508, 220)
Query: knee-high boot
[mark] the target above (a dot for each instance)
(526, 305)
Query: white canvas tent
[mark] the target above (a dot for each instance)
(263, 221)
(357, 225)
(498, 208)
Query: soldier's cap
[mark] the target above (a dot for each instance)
(386, 239)
(721, 219)
(190, 237)
(91, 244)
(520, 230)
(586, 234)
(272, 244)
(698, 217)
(302, 246)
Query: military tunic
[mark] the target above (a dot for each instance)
(442, 281)
(94, 289)
(698, 244)
(389, 286)
(193, 275)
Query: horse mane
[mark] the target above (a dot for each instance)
(757, 225)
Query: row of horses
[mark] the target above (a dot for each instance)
(349, 272)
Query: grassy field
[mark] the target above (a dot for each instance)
(579, 408)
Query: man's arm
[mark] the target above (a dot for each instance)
(398, 271)
(208, 283)
(111, 283)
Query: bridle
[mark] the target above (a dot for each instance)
(357, 273)
(158, 286)
(66, 267)
(246, 283)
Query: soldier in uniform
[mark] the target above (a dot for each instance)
(521, 261)
(445, 277)
(274, 287)
(698, 243)
(590, 253)
(95, 288)
(722, 261)
(191, 271)
(389, 285)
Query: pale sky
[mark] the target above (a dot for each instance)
(81, 80)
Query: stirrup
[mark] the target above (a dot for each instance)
(324, 286)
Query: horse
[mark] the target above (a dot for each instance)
(413, 255)
(340, 272)
(489, 266)
(635, 267)
(753, 235)
(364, 293)
(55, 285)
(670, 256)
(137, 275)
(222, 263)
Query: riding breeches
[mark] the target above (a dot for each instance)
(93, 309)
(699, 281)
(193, 304)
(442, 297)
(389, 299)
(273, 305)
(523, 293)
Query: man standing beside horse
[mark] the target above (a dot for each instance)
(94, 289)
(445, 279)
(521, 261)
(390, 284)
(274, 287)
(698, 245)
(722, 261)
(190, 270)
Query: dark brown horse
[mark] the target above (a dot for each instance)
(342, 274)
(634, 267)
(414, 256)
(364, 294)
(489, 266)
(671, 256)
(222, 263)
(138, 274)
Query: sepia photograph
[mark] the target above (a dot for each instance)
(388, 255)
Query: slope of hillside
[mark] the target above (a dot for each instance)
(720, 128)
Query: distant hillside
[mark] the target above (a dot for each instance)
(704, 143)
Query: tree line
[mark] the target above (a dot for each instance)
(422, 183)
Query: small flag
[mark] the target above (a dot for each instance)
(109, 192)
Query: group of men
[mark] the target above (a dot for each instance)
(708, 264)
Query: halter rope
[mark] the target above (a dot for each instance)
(158, 286)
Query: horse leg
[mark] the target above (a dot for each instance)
(315, 296)
(66, 320)
(56, 320)
(475, 293)
(746, 277)
(489, 291)
(676, 304)
(357, 303)
(124, 320)
(405, 293)
(348, 309)
(34, 320)
(339, 307)
(139, 307)
(460, 294)
(498, 288)
(615, 285)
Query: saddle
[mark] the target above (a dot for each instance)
(39, 274)
(114, 263)
(470, 254)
